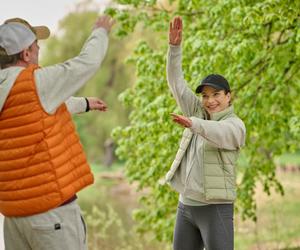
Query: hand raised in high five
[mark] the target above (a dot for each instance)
(175, 31)
(105, 22)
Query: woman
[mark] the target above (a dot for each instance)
(203, 172)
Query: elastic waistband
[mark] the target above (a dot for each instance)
(73, 198)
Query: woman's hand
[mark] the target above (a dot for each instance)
(182, 120)
(175, 31)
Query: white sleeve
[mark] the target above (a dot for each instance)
(56, 83)
(76, 105)
(227, 134)
(188, 102)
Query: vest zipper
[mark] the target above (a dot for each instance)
(203, 170)
(188, 174)
(224, 173)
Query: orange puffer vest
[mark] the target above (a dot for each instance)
(42, 163)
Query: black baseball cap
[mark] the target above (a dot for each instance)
(216, 81)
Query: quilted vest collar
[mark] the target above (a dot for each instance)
(222, 114)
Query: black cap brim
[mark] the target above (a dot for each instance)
(200, 87)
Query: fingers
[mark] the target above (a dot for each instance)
(100, 108)
(175, 31)
(174, 115)
(176, 118)
(102, 105)
(178, 23)
(181, 120)
(105, 22)
(179, 37)
(97, 104)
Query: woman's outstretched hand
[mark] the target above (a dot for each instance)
(182, 120)
(175, 31)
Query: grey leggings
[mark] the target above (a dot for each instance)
(209, 226)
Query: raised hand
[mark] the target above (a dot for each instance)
(182, 120)
(97, 104)
(175, 31)
(105, 22)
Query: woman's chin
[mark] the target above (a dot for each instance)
(211, 111)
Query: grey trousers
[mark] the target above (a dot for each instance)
(199, 227)
(61, 228)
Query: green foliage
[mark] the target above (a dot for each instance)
(255, 44)
(106, 231)
(149, 153)
(107, 207)
(111, 79)
(277, 225)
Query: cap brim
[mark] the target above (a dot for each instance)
(200, 87)
(42, 32)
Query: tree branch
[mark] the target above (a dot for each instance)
(193, 13)
(256, 74)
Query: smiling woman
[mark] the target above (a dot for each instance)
(215, 92)
(215, 100)
(203, 172)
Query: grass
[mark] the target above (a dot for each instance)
(278, 224)
(277, 227)
(107, 207)
(285, 159)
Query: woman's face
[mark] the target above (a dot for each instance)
(214, 100)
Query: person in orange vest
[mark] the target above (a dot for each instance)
(42, 162)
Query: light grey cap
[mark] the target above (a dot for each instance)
(15, 37)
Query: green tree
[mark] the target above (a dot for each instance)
(256, 45)
(112, 78)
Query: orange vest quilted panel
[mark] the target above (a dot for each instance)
(42, 163)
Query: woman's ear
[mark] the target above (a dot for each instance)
(229, 97)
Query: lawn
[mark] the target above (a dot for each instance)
(278, 224)
(109, 202)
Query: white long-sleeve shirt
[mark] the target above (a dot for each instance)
(58, 83)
